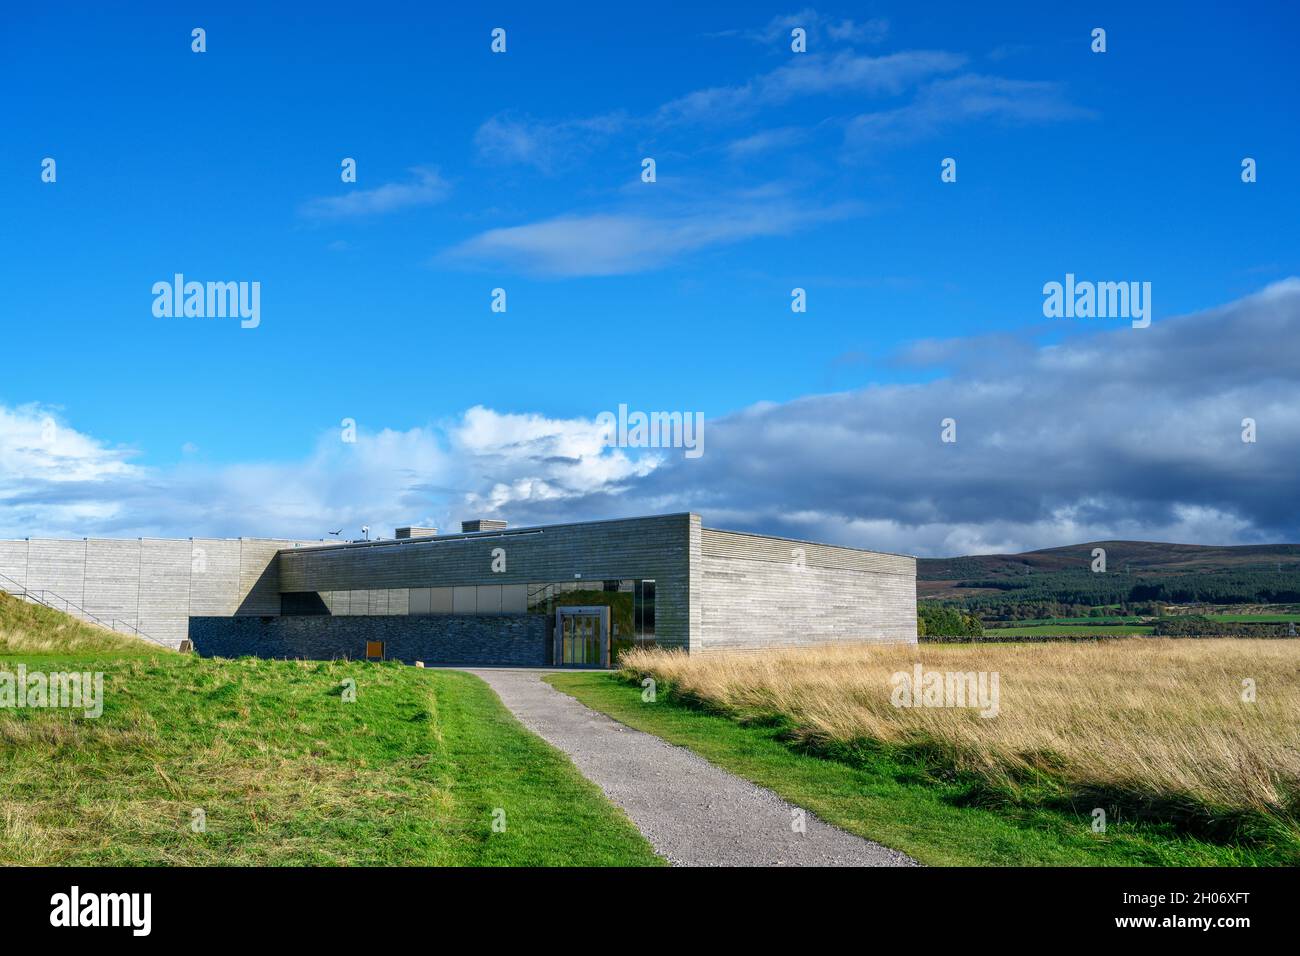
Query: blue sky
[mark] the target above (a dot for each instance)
(775, 170)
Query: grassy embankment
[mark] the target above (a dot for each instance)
(1154, 732)
(284, 769)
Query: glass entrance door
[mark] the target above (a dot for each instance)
(582, 636)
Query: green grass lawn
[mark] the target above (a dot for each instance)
(936, 817)
(285, 769)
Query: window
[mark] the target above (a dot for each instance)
(631, 603)
(645, 612)
(296, 604)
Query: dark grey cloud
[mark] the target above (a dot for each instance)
(1124, 433)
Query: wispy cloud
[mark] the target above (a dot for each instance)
(615, 243)
(831, 68)
(819, 27)
(425, 187)
(810, 75)
(962, 99)
(765, 141)
(548, 146)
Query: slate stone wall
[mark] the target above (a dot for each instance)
(518, 639)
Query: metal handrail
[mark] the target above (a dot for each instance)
(36, 596)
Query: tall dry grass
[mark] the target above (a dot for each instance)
(1158, 721)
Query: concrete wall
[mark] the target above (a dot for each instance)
(58, 566)
(657, 548)
(714, 589)
(769, 592)
(259, 582)
(112, 589)
(518, 640)
(214, 576)
(13, 563)
(151, 584)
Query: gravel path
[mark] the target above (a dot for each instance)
(693, 813)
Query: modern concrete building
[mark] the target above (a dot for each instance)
(567, 594)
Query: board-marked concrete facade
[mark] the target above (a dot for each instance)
(556, 594)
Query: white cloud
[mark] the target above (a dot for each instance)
(545, 145)
(426, 187)
(622, 243)
(962, 99)
(819, 27)
(764, 141)
(36, 443)
(56, 481)
(549, 145)
(46, 468)
(811, 75)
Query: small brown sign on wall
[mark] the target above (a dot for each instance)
(374, 650)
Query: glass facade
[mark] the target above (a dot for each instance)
(631, 603)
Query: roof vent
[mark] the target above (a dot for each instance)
(415, 533)
(482, 524)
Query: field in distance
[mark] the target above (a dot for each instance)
(1126, 625)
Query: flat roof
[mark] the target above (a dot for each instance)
(466, 535)
(541, 528)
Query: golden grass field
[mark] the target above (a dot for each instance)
(1155, 720)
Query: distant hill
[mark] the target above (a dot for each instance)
(1152, 563)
